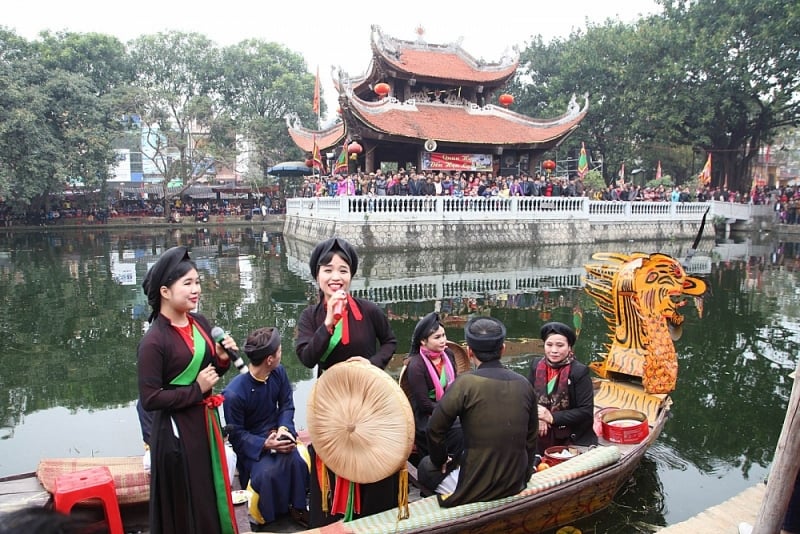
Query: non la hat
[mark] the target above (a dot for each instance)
(334, 244)
(558, 328)
(159, 275)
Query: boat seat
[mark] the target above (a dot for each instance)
(94, 483)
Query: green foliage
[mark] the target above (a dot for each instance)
(56, 117)
(718, 76)
(665, 181)
(594, 181)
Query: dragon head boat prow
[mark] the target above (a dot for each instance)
(639, 296)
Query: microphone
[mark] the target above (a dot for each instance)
(219, 334)
(337, 310)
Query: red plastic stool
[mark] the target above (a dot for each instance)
(94, 483)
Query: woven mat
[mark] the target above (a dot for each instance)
(130, 480)
(427, 512)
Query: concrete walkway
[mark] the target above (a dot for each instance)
(723, 518)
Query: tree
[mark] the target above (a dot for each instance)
(595, 63)
(735, 65)
(704, 76)
(187, 131)
(57, 118)
(263, 83)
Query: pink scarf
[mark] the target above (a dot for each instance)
(437, 380)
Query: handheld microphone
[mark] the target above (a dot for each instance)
(337, 310)
(219, 334)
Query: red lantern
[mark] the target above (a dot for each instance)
(309, 163)
(382, 89)
(548, 164)
(354, 148)
(506, 99)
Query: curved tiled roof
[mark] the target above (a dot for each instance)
(443, 62)
(488, 125)
(304, 137)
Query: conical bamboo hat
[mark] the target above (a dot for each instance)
(360, 422)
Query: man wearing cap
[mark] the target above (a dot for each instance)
(259, 413)
(498, 414)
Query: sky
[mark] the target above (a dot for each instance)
(328, 33)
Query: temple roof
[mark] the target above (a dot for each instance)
(464, 124)
(450, 62)
(304, 138)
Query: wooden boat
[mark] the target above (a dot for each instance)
(639, 296)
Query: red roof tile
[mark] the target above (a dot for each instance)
(304, 138)
(444, 62)
(490, 125)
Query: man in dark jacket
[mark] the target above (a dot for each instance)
(499, 417)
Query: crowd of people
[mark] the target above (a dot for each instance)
(485, 184)
(478, 432)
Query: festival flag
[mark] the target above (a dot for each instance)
(341, 166)
(658, 170)
(316, 157)
(583, 162)
(725, 185)
(315, 104)
(622, 173)
(705, 174)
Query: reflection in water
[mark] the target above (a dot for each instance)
(72, 312)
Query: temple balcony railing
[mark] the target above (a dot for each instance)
(422, 209)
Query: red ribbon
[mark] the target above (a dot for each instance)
(214, 401)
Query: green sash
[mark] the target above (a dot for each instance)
(335, 339)
(189, 374)
(214, 432)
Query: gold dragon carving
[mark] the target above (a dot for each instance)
(639, 296)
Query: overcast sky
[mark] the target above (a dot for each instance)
(327, 33)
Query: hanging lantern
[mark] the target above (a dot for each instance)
(548, 165)
(506, 99)
(354, 148)
(309, 163)
(382, 89)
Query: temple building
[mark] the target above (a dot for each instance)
(433, 107)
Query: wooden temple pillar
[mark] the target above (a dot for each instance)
(369, 157)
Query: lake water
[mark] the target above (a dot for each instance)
(73, 312)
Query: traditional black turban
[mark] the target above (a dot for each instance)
(162, 274)
(486, 337)
(262, 343)
(334, 244)
(558, 328)
(423, 329)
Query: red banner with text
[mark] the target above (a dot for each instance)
(438, 161)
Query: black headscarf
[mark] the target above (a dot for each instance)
(162, 274)
(334, 244)
(425, 326)
(558, 328)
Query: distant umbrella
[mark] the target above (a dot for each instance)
(290, 168)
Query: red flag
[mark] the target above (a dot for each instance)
(658, 170)
(315, 104)
(316, 157)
